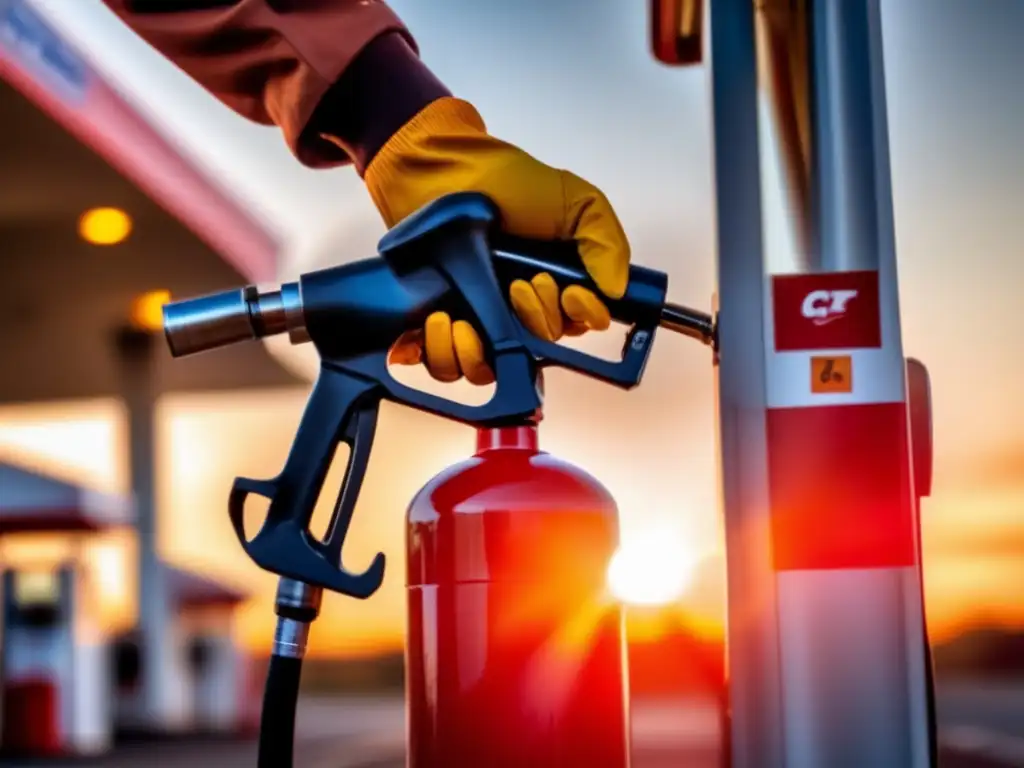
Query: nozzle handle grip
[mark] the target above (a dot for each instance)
(450, 238)
(640, 307)
(341, 409)
(518, 258)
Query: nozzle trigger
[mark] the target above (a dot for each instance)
(450, 236)
(342, 408)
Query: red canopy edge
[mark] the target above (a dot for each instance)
(193, 590)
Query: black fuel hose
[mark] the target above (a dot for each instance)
(277, 722)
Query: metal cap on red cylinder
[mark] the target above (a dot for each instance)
(521, 437)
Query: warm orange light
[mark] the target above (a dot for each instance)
(147, 310)
(104, 226)
(653, 569)
(108, 568)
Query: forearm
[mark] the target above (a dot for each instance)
(337, 76)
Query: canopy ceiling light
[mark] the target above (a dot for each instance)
(104, 226)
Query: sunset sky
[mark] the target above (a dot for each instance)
(573, 83)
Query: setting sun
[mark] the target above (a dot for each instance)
(652, 570)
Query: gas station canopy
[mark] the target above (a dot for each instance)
(72, 143)
(33, 502)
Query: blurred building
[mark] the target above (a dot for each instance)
(101, 221)
(214, 681)
(69, 684)
(54, 652)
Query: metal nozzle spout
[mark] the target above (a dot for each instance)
(242, 314)
(689, 322)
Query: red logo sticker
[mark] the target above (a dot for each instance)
(832, 310)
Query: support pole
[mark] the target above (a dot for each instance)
(755, 737)
(158, 711)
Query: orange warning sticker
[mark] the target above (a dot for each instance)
(831, 374)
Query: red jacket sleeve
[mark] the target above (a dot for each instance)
(271, 61)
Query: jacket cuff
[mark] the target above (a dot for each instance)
(299, 99)
(382, 89)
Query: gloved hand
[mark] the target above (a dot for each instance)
(445, 149)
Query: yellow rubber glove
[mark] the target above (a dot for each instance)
(446, 148)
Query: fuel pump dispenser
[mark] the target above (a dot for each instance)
(827, 641)
(55, 683)
(447, 256)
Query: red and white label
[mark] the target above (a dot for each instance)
(833, 310)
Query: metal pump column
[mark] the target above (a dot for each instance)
(826, 634)
(755, 737)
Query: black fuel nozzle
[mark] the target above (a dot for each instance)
(449, 256)
(248, 314)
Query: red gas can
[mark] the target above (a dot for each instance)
(516, 651)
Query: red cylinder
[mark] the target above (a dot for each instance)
(516, 651)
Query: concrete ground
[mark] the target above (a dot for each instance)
(981, 726)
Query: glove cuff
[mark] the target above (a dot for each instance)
(418, 142)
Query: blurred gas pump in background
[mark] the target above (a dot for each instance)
(56, 684)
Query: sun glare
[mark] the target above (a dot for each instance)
(651, 570)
